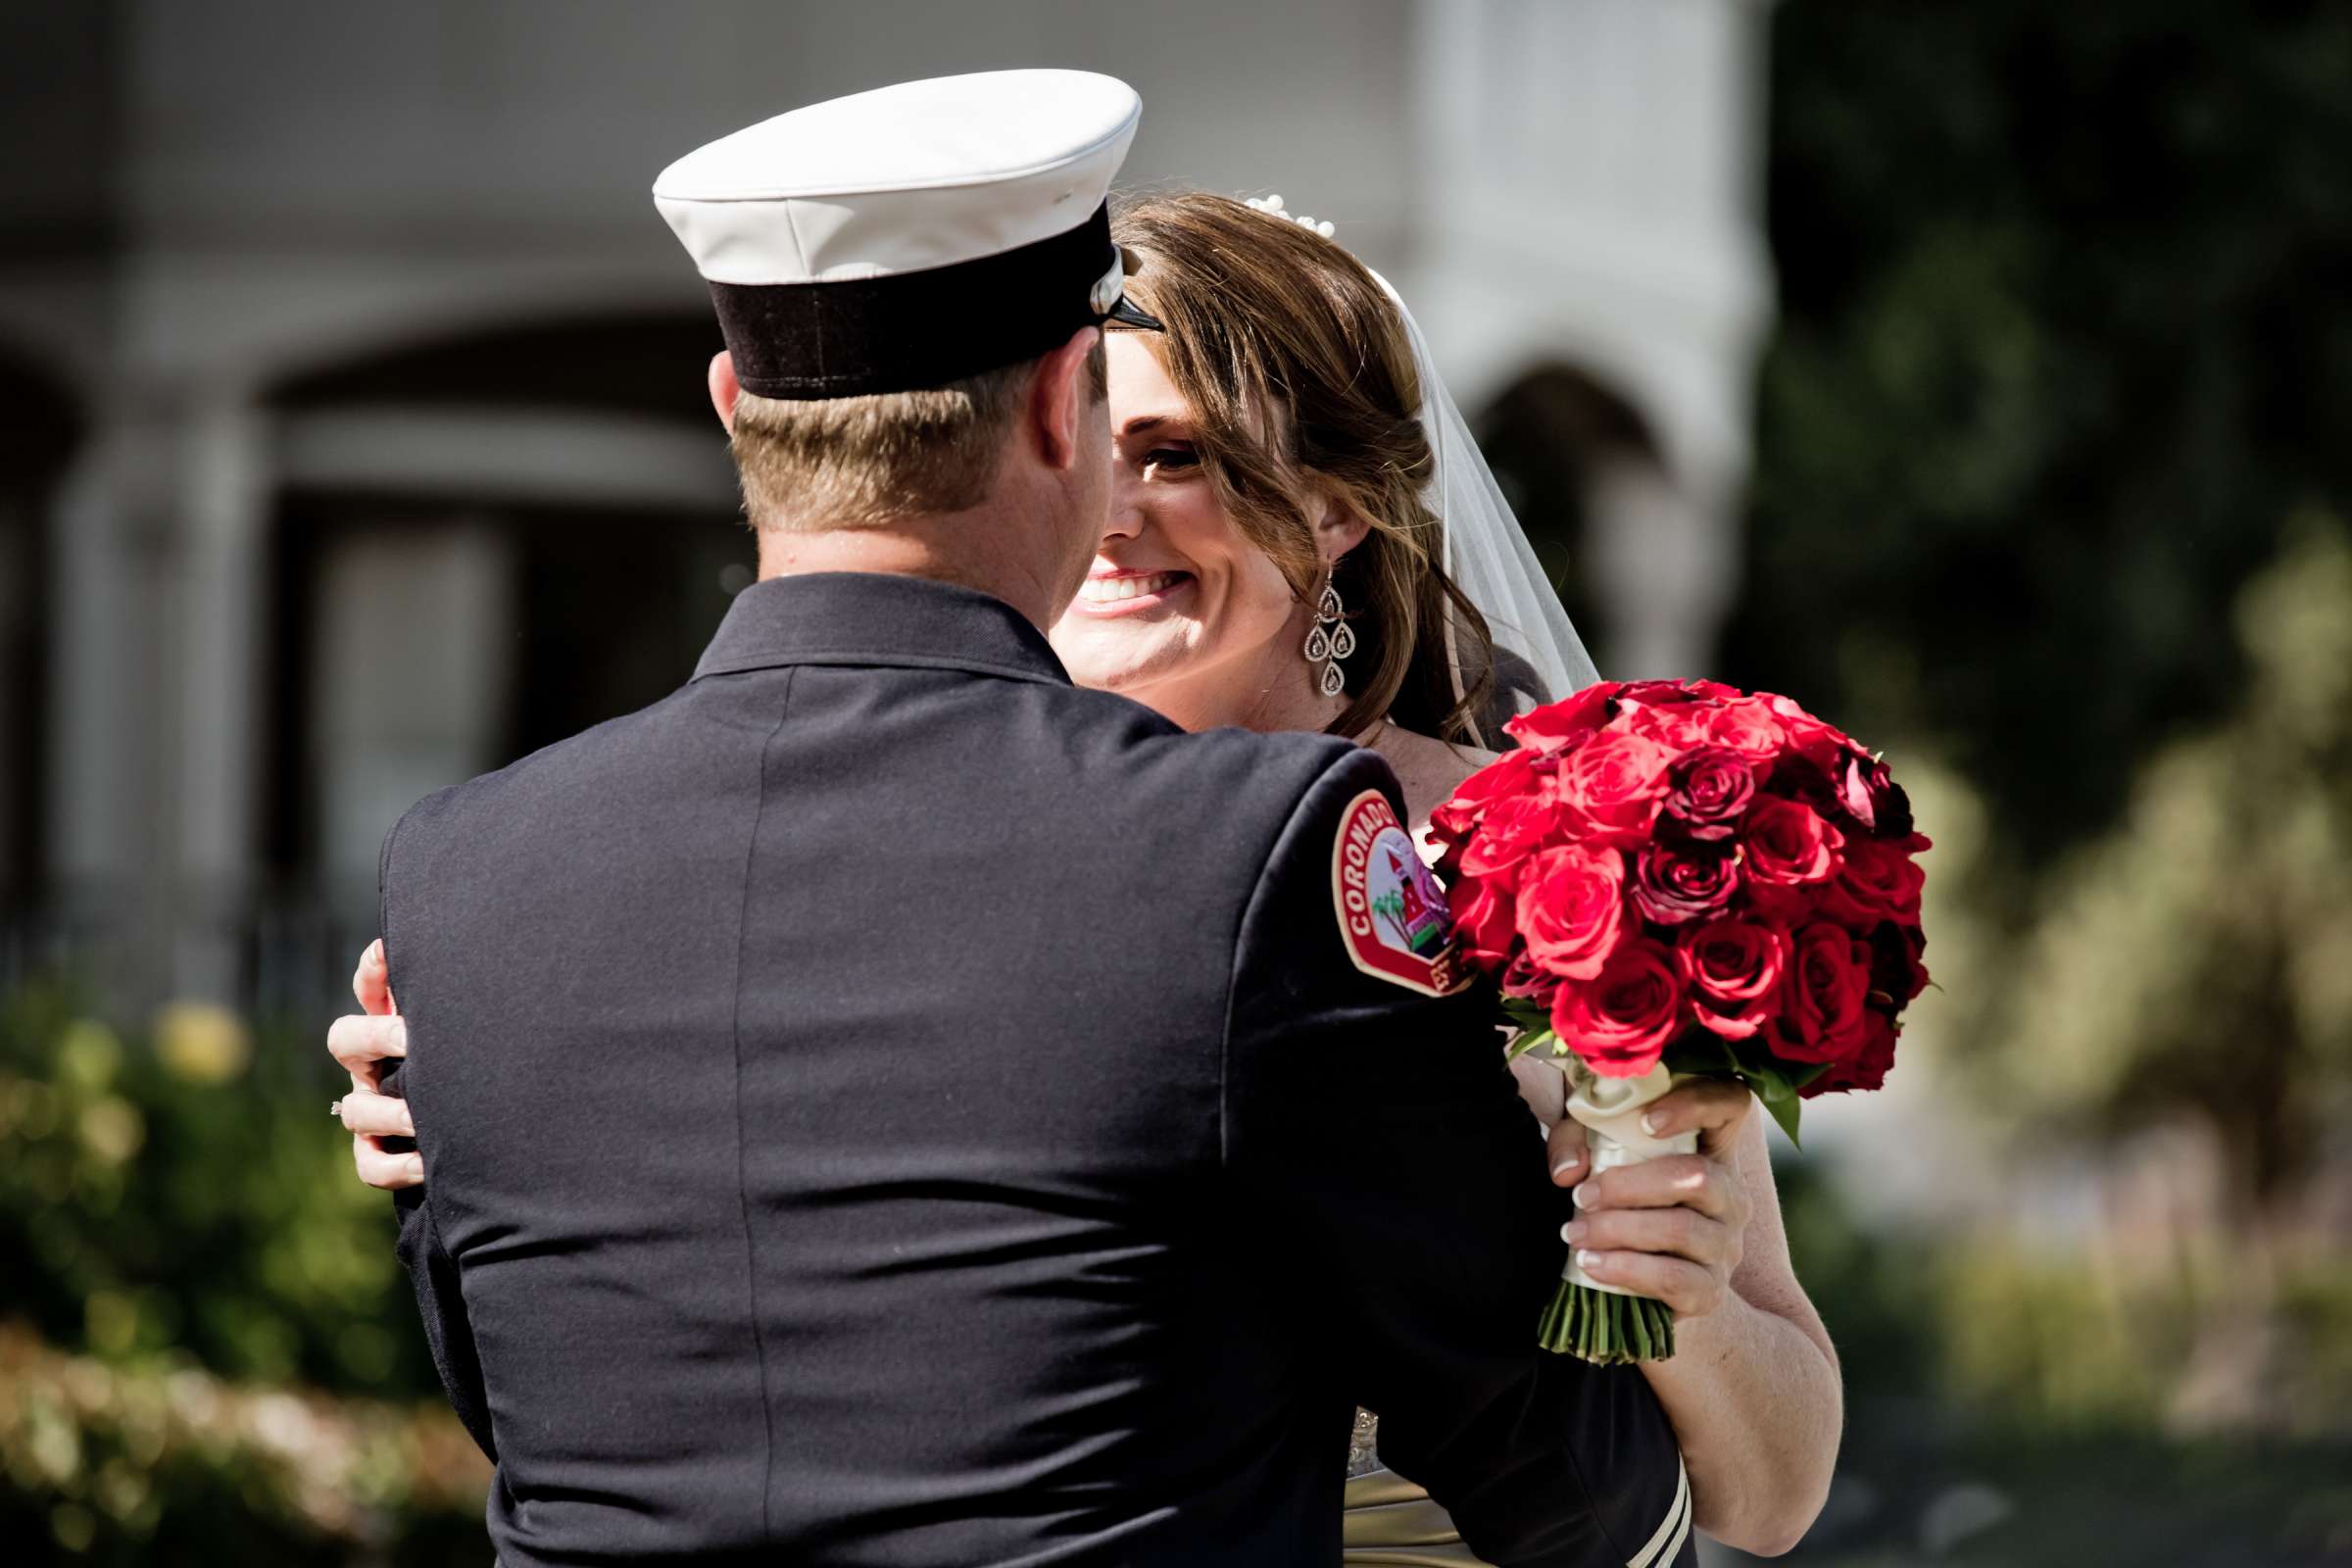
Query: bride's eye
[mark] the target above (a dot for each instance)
(1175, 459)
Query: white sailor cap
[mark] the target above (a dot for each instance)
(912, 235)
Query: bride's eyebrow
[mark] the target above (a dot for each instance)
(1144, 422)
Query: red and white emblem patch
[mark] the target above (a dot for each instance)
(1392, 914)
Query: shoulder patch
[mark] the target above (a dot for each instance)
(1392, 911)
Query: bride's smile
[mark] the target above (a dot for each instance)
(1111, 591)
(1180, 608)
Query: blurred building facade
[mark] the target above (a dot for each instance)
(354, 437)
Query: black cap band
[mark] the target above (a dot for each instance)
(917, 329)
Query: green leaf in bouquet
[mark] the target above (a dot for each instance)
(1530, 1040)
(1779, 1095)
(1699, 1054)
(1528, 1013)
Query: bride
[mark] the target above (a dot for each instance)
(1303, 536)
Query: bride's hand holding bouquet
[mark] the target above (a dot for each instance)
(1672, 881)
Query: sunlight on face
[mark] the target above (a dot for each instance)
(1176, 594)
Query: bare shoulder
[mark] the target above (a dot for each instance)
(1428, 769)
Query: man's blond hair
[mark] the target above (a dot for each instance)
(867, 462)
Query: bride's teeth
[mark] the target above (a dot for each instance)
(1110, 590)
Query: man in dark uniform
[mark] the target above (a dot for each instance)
(885, 1105)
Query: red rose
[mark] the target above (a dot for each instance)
(1513, 829)
(1853, 788)
(1868, 1066)
(1620, 1022)
(1749, 726)
(1667, 693)
(1707, 790)
(1877, 881)
(1787, 843)
(1824, 997)
(1676, 721)
(1571, 905)
(1614, 785)
(1484, 919)
(1511, 774)
(1675, 883)
(1734, 970)
(1896, 974)
(1522, 979)
(1819, 741)
(1570, 722)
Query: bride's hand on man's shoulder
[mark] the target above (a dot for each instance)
(363, 1042)
(1673, 1228)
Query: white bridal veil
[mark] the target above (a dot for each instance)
(1486, 553)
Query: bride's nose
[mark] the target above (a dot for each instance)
(1125, 519)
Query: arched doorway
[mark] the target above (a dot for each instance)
(1644, 565)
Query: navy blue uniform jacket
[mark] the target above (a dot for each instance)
(884, 1105)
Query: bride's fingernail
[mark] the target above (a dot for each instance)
(1587, 1260)
(1572, 1232)
(1577, 1193)
(1652, 1123)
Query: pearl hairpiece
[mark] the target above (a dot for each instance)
(1272, 207)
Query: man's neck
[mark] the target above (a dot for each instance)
(981, 550)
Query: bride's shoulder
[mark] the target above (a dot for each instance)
(1428, 769)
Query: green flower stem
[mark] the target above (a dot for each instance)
(1605, 1328)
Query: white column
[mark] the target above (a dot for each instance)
(1589, 200)
(107, 760)
(222, 626)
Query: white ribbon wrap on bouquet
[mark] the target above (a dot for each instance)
(1611, 1111)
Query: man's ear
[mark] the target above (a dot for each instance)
(724, 388)
(1339, 528)
(1060, 396)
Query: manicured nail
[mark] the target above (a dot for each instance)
(1587, 1260)
(1571, 1163)
(1572, 1232)
(1652, 1123)
(1577, 1193)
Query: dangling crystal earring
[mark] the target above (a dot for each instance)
(1332, 639)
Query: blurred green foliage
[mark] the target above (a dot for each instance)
(2063, 346)
(2050, 499)
(2193, 959)
(206, 1349)
(192, 1191)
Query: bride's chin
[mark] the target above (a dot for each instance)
(1100, 662)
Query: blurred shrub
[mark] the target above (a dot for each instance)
(2061, 349)
(192, 1286)
(108, 1464)
(2194, 960)
(193, 1194)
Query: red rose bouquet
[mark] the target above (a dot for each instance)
(1676, 879)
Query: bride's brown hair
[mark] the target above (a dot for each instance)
(1299, 374)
